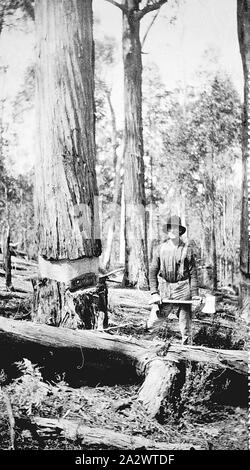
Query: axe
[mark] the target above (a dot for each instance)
(209, 306)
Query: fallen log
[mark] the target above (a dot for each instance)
(20, 261)
(129, 299)
(12, 295)
(106, 350)
(73, 430)
(134, 351)
(19, 283)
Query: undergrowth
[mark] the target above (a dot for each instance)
(214, 337)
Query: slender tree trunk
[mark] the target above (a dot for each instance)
(183, 214)
(122, 229)
(214, 251)
(67, 212)
(6, 255)
(214, 246)
(115, 212)
(158, 225)
(2, 10)
(233, 242)
(220, 272)
(117, 188)
(243, 16)
(151, 231)
(207, 278)
(225, 232)
(136, 263)
(151, 221)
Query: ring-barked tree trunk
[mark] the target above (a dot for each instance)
(243, 14)
(66, 195)
(136, 260)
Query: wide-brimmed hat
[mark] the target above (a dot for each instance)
(174, 221)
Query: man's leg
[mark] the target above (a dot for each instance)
(185, 324)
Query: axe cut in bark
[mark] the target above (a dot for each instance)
(163, 370)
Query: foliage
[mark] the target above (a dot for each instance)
(16, 191)
(24, 100)
(192, 158)
(160, 113)
(29, 391)
(16, 199)
(8, 8)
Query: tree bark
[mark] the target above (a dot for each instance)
(243, 16)
(136, 263)
(66, 195)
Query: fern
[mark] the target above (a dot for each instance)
(29, 391)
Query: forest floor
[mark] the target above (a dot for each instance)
(211, 415)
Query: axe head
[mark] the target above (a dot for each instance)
(209, 306)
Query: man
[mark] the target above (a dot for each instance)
(174, 263)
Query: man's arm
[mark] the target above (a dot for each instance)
(154, 271)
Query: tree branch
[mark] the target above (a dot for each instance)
(119, 5)
(149, 27)
(152, 7)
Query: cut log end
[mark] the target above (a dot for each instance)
(161, 388)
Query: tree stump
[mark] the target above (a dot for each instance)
(162, 387)
(58, 305)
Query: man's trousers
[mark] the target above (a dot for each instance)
(160, 313)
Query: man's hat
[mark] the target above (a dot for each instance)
(174, 221)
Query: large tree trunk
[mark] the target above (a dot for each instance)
(66, 189)
(243, 14)
(136, 263)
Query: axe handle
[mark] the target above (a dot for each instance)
(177, 301)
(171, 301)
